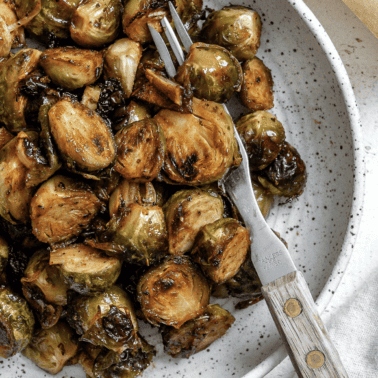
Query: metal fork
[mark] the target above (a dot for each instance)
(284, 287)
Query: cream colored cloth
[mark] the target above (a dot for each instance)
(366, 11)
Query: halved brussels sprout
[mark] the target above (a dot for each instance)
(173, 292)
(128, 192)
(4, 253)
(91, 96)
(197, 334)
(5, 137)
(137, 233)
(121, 62)
(22, 168)
(212, 71)
(72, 68)
(54, 17)
(51, 349)
(263, 197)
(185, 213)
(12, 72)
(221, 248)
(95, 23)
(236, 28)
(106, 320)
(257, 88)
(17, 35)
(61, 209)
(140, 151)
(82, 137)
(287, 175)
(16, 323)
(200, 146)
(138, 13)
(44, 288)
(264, 136)
(86, 269)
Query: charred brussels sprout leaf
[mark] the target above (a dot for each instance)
(137, 233)
(85, 269)
(4, 253)
(51, 349)
(140, 151)
(287, 175)
(226, 73)
(200, 146)
(54, 17)
(173, 292)
(263, 197)
(236, 28)
(197, 334)
(221, 248)
(264, 136)
(106, 320)
(96, 22)
(185, 213)
(44, 288)
(22, 167)
(16, 323)
(257, 88)
(72, 68)
(84, 140)
(12, 72)
(121, 63)
(61, 209)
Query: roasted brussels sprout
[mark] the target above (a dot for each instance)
(106, 320)
(257, 88)
(185, 213)
(287, 175)
(44, 288)
(22, 168)
(226, 73)
(140, 151)
(84, 140)
(173, 292)
(91, 96)
(263, 197)
(4, 253)
(12, 72)
(138, 13)
(86, 269)
(96, 22)
(5, 38)
(121, 62)
(54, 17)
(236, 28)
(200, 146)
(127, 193)
(264, 136)
(103, 363)
(137, 233)
(133, 112)
(61, 209)
(16, 323)
(197, 334)
(5, 137)
(221, 248)
(51, 349)
(72, 68)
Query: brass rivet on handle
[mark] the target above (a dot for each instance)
(292, 307)
(315, 359)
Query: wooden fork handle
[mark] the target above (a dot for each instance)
(303, 332)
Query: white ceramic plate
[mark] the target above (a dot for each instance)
(315, 103)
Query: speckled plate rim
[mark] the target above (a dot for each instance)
(324, 299)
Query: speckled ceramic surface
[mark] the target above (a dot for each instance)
(315, 103)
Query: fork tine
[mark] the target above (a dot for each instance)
(163, 51)
(174, 42)
(183, 34)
